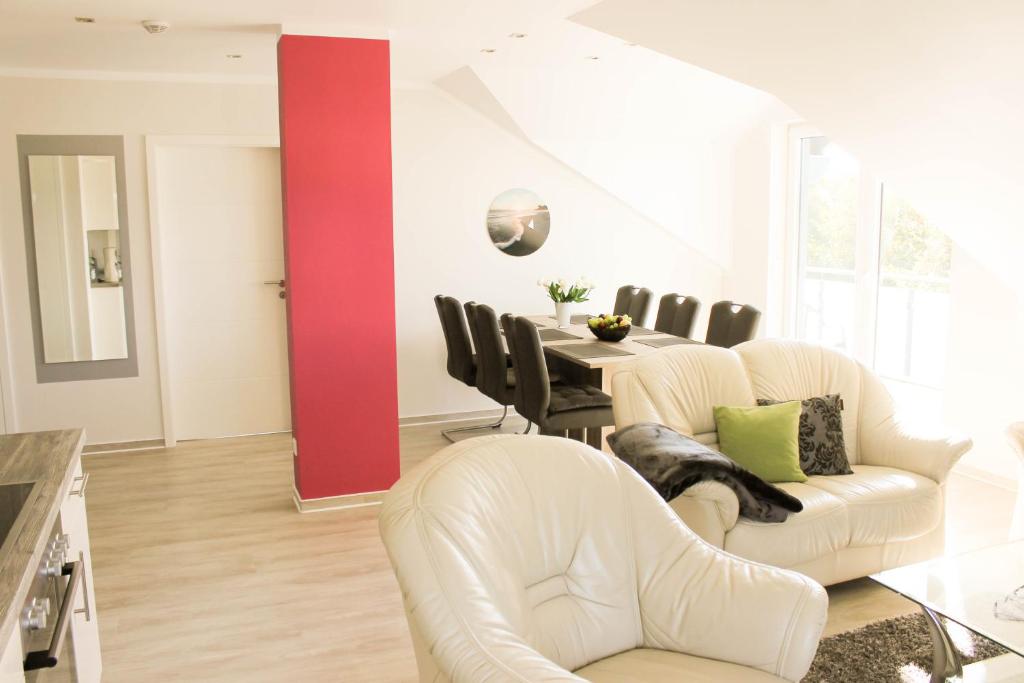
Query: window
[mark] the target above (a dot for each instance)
(871, 273)
(828, 244)
(913, 295)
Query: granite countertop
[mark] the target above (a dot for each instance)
(47, 458)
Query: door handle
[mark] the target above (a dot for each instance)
(279, 283)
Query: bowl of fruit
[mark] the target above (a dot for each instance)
(612, 328)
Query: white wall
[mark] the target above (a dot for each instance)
(449, 162)
(116, 409)
(985, 367)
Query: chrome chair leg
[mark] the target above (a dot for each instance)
(529, 426)
(494, 425)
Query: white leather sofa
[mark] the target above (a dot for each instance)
(888, 513)
(535, 558)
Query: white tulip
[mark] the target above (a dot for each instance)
(563, 284)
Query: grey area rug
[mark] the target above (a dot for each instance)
(896, 650)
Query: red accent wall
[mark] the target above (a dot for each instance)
(335, 100)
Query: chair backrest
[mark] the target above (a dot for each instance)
(623, 298)
(491, 367)
(677, 314)
(521, 545)
(730, 324)
(508, 327)
(533, 385)
(456, 339)
(634, 302)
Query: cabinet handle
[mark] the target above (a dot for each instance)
(86, 610)
(83, 481)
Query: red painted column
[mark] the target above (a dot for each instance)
(335, 100)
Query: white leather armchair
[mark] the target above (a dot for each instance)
(1015, 434)
(890, 512)
(533, 558)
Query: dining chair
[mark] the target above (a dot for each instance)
(462, 364)
(676, 314)
(634, 302)
(494, 378)
(557, 409)
(731, 324)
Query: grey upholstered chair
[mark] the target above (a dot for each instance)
(731, 324)
(676, 314)
(494, 377)
(634, 302)
(462, 364)
(556, 409)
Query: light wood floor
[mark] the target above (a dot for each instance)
(204, 571)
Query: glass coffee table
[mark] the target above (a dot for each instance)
(964, 589)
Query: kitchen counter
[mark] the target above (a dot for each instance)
(48, 458)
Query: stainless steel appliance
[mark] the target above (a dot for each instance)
(47, 613)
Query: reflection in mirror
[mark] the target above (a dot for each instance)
(78, 257)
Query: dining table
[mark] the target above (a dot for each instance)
(581, 358)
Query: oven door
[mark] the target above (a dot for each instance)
(50, 657)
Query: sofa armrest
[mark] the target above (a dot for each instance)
(710, 509)
(701, 601)
(887, 441)
(931, 455)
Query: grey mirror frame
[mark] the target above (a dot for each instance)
(71, 145)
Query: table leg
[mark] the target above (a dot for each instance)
(604, 380)
(946, 662)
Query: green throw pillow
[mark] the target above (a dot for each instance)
(763, 439)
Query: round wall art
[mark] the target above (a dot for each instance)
(518, 222)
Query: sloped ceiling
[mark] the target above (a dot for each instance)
(652, 131)
(928, 94)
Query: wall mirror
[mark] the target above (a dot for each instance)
(76, 246)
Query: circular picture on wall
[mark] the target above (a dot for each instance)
(518, 222)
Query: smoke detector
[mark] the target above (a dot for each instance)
(153, 26)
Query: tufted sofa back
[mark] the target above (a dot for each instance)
(498, 547)
(680, 386)
(787, 370)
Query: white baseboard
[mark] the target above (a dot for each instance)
(1008, 483)
(123, 446)
(345, 502)
(414, 420)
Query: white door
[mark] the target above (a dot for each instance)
(219, 210)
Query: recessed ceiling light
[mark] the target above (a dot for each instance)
(517, 35)
(593, 57)
(85, 20)
(488, 50)
(234, 56)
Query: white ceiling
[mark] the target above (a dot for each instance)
(429, 38)
(929, 94)
(655, 132)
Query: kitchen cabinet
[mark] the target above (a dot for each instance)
(85, 633)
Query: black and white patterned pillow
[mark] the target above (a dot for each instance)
(822, 446)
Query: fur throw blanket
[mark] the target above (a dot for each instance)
(672, 463)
